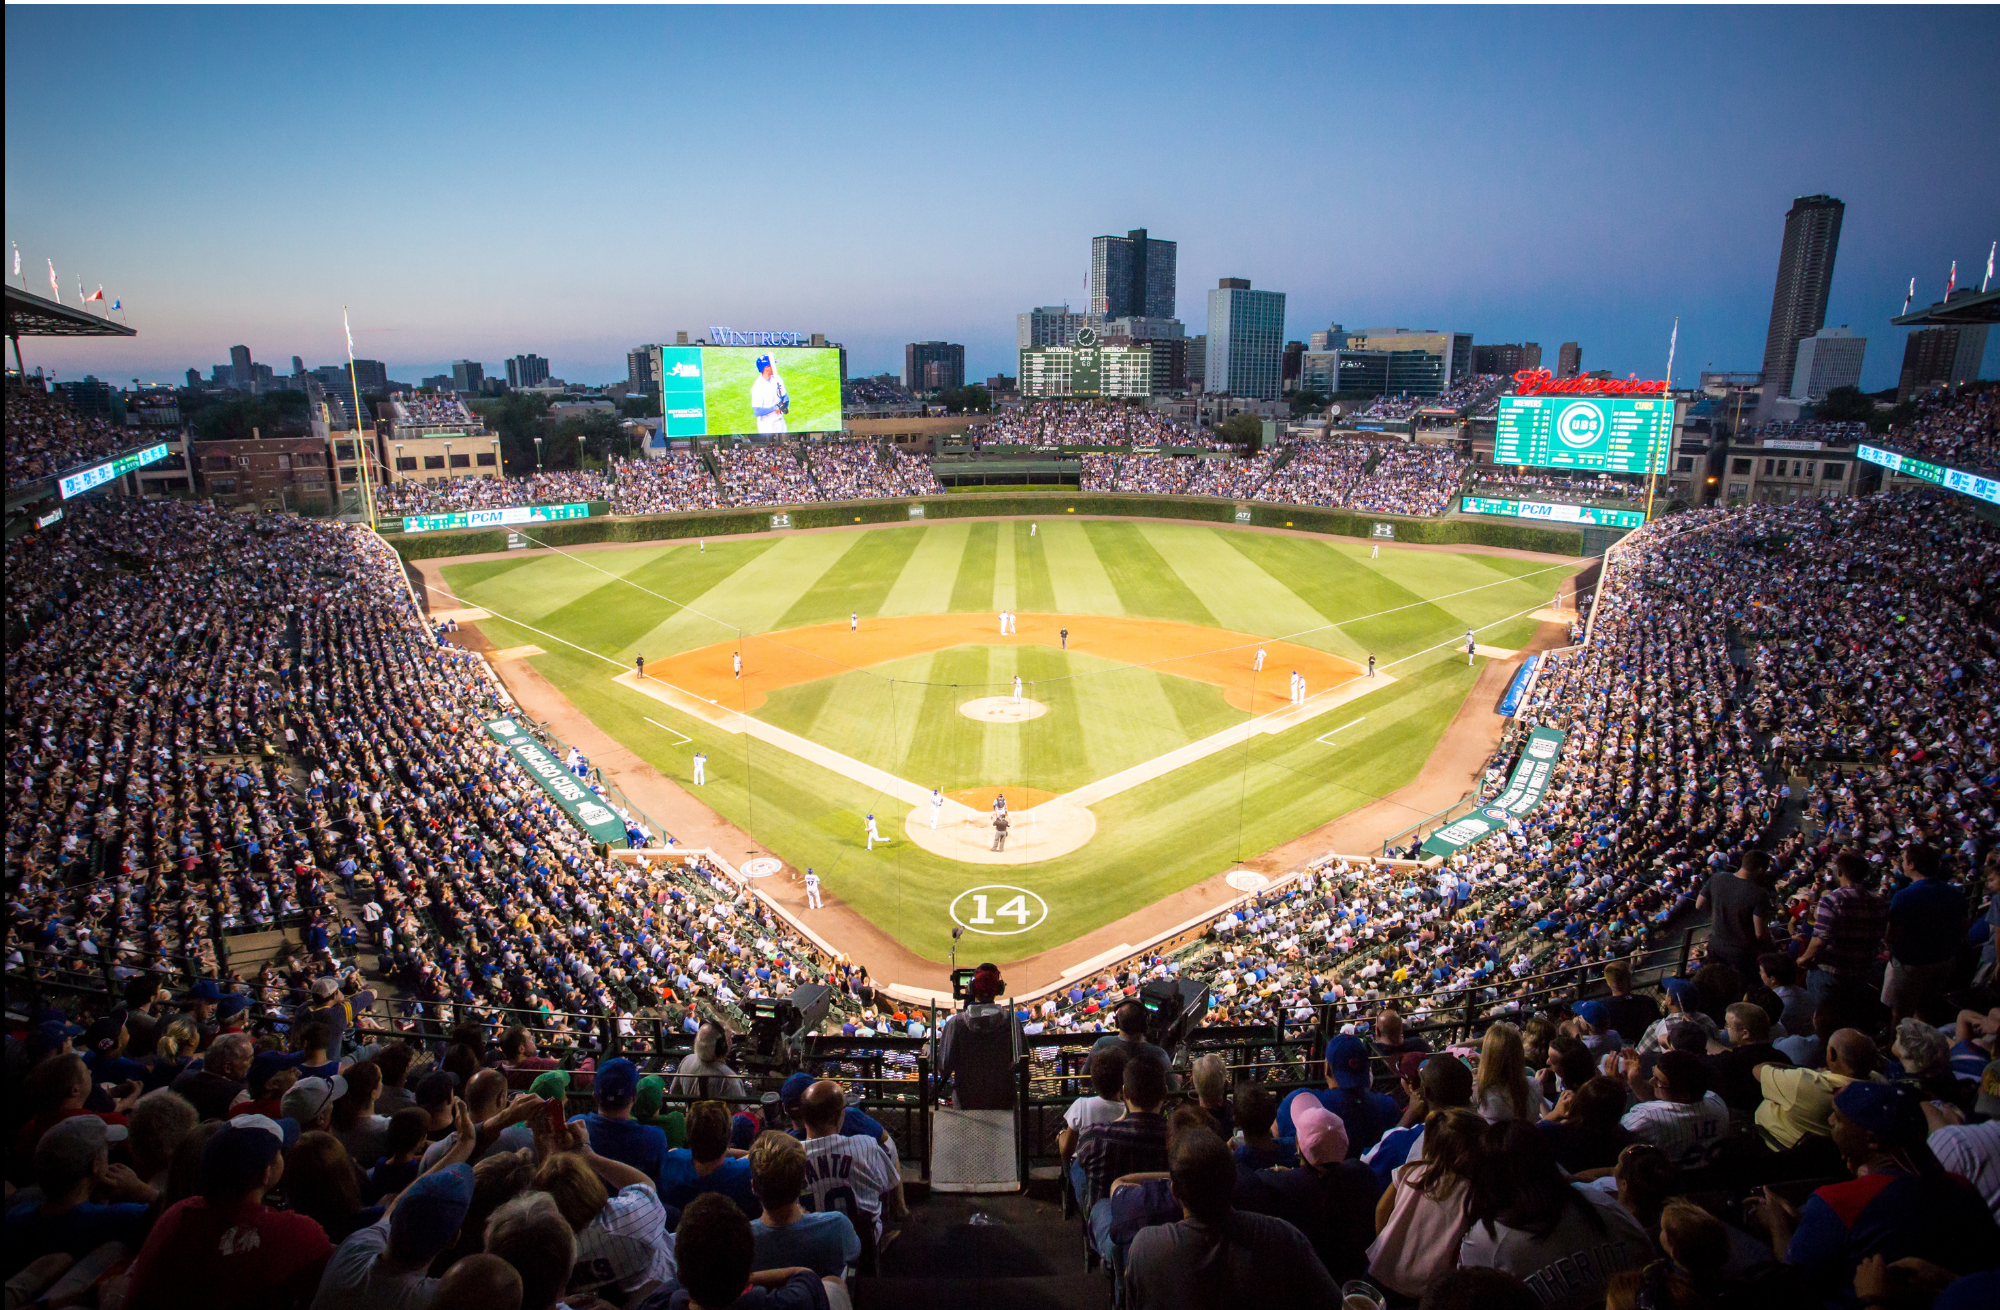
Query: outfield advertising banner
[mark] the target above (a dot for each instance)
(598, 820)
(1552, 512)
(737, 391)
(1942, 475)
(97, 475)
(1523, 796)
(1585, 432)
(496, 518)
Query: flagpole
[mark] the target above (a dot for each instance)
(1652, 454)
(360, 450)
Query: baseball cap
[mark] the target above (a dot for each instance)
(794, 1089)
(1682, 992)
(1988, 1100)
(1347, 1062)
(102, 1035)
(265, 1064)
(617, 1081)
(205, 990)
(551, 1085)
(72, 1148)
(325, 987)
(1595, 1013)
(231, 1005)
(1322, 1136)
(763, 362)
(48, 1037)
(1410, 1064)
(309, 1098)
(236, 1158)
(1893, 1112)
(429, 1214)
(647, 1099)
(437, 1089)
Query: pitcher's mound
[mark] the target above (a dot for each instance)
(1042, 833)
(1003, 709)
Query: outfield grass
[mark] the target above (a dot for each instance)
(1151, 840)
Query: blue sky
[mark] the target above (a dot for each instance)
(571, 182)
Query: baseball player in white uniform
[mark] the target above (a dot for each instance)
(1017, 689)
(700, 768)
(937, 806)
(853, 621)
(1471, 646)
(812, 890)
(1377, 552)
(874, 834)
(769, 401)
(1258, 667)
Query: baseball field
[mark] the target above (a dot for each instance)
(1145, 754)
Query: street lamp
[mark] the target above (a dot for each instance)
(538, 456)
(447, 461)
(399, 462)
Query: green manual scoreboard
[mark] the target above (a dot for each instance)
(1603, 434)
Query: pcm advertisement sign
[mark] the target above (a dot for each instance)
(1600, 433)
(742, 391)
(1553, 512)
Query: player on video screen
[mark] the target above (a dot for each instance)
(768, 399)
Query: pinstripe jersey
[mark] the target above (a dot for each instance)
(626, 1245)
(849, 1174)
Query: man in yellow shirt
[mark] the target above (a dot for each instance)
(1799, 1102)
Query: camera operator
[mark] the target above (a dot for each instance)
(980, 1046)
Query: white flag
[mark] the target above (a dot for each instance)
(349, 330)
(17, 261)
(1910, 295)
(1673, 340)
(55, 287)
(1990, 251)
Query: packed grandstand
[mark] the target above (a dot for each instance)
(1510, 1077)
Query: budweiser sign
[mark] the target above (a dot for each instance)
(1541, 382)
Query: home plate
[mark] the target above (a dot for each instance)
(1246, 880)
(1002, 709)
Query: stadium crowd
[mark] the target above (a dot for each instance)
(1089, 423)
(423, 408)
(672, 483)
(45, 436)
(450, 496)
(1501, 483)
(1960, 430)
(765, 475)
(1380, 476)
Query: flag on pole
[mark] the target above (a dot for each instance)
(1990, 251)
(118, 305)
(98, 295)
(348, 328)
(55, 287)
(1673, 340)
(1951, 285)
(1910, 295)
(17, 262)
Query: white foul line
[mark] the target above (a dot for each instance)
(684, 738)
(1342, 728)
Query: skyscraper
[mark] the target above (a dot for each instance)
(919, 356)
(1132, 276)
(1246, 340)
(239, 365)
(1940, 356)
(1051, 325)
(1829, 358)
(1569, 360)
(640, 361)
(467, 375)
(531, 371)
(1506, 359)
(1805, 276)
(298, 366)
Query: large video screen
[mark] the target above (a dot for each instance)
(1585, 432)
(733, 391)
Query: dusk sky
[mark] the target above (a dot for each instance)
(572, 182)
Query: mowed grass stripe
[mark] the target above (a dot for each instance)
(1241, 596)
(1078, 582)
(924, 585)
(1033, 592)
(857, 583)
(1005, 591)
(751, 598)
(547, 582)
(972, 591)
(613, 617)
(1342, 590)
(1146, 583)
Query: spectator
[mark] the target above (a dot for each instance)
(703, 1073)
(1630, 1015)
(355, 1122)
(613, 1133)
(1130, 1021)
(786, 1234)
(72, 1160)
(716, 1270)
(1211, 1088)
(1926, 921)
(478, 1282)
(1847, 933)
(1732, 1069)
(1219, 1255)
(853, 1175)
(387, 1263)
(159, 1123)
(321, 1183)
(1740, 908)
(1675, 1110)
(1421, 1219)
(1501, 1088)
(1367, 1115)
(1585, 1128)
(1530, 1219)
(311, 1101)
(530, 1234)
(1442, 1083)
(622, 1245)
(403, 1151)
(214, 1087)
(225, 1249)
(1798, 1103)
(1256, 1115)
(1971, 1151)
(1107, 1081)
(1330, 1198)
(706, 1164)
(1134, 1144)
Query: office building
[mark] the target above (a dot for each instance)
(298, 367)
(533, 370)
(467, 376)
(1051, 325)
(1829, 358)
(1333, 338)
(1569, 360)
(1196, 367)
(1288, 372)
(239, 366)
(1423, 361)
(1940, 357)
(370, 374)
(918, 375)
(1246, 335)
(1505, 361)
(1132, 276)
(641, 375)
(1169, 340)
(193, 378)
(1805, 277)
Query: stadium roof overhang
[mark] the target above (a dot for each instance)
(30, 315)
(1961, 311)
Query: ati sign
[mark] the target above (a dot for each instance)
(916, 511)
(1242, 515)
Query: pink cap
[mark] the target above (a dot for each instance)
(1322, 1135)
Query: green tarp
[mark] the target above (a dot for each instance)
(1522, 797)
(584, 807)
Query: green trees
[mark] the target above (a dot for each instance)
(1246, 430)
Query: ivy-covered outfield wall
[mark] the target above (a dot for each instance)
(723, 523)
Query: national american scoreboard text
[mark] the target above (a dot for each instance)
(1603, 434)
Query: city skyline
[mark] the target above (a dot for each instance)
(247, 209)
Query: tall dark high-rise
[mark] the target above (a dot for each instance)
(1805, 276)
(919, 356)
(1569, 360)
(1132, 276)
